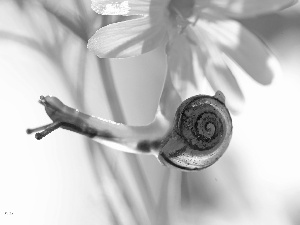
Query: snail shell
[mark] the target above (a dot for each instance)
(201, 133)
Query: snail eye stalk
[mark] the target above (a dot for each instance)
(34, 130)
(47, 129)
(62, 116)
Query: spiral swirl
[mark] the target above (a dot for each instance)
(202, 127)
(201, 134)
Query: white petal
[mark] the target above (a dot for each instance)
(241, 46)
(169, 99)
(129, 7)
(216, 71)
(221, 78)
(245, 8)
(129, 38)
(180, 66)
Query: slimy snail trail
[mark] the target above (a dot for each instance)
(199, 135)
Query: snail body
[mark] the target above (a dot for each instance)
(201, 133)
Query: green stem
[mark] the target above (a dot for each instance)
(110, 90)
(126, 206)
(118, 115)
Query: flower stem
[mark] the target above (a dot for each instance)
(118, 115)
(124, 204)
(110, 90)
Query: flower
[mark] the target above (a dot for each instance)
(199, 38)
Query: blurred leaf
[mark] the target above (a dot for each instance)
(22, 40)
(242, 46)
(20, 3)
(180, 64)
(170, 99)
(73, 22)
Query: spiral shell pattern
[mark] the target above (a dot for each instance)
(201, 133)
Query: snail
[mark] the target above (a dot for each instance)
(200, 133)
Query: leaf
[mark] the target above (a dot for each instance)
(73, 22)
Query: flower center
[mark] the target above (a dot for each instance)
(182, 7)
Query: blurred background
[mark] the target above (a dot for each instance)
(68, 179)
